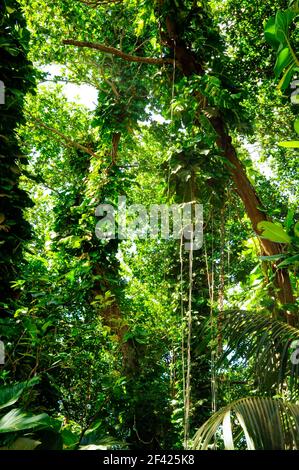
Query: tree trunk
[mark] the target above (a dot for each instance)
(189, 64)
(112, 314)
(113, 318)
(252, 206)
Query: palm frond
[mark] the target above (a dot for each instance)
(266, 341)
(253, 424)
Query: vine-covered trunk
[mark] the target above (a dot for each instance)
(112, 317)
(111, 314)
(252, 206)
(189, 64)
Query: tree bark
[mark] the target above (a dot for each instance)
(113, 318)
(252, 205)
(112, 315)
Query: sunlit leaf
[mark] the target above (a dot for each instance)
(294, 144)
(17, 420)
(273, 232)
(266, 423)
(283, 60)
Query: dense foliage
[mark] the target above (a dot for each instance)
(16, 75)
(136, 342)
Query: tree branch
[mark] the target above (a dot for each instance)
(37, 179)
(69, 142)
(97, 3)
(118, 53)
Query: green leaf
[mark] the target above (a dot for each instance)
(276, 29)
(289, 261)
(255, 336)
(11, 393)
(294, 144)
(17, 420)
(296, 125)
(283, 60)
(289, 219)
(296, 229)
(273, 232)
(22, 443)
(283, 20)
(70, 439)
(266, 423)
(270, 33)
(286, 78)
(10, 10)
(72, 241)
(272, 257)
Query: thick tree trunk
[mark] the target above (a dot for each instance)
(113, 318)
(189, 64)
(252, 206)
(112, 315)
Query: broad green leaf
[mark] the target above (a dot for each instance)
(286, 78)
(10, 394)
(283, 20)
(273, 232)
(17, 420)
(283, 60)
(296, 229)
(22, 443)
(70, 439)
(296, 125)
(292, 144)
(289, 261)
(270, 33)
